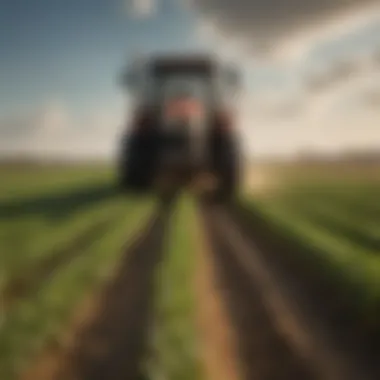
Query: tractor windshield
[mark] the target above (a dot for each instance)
(183, 95)
(162, 80)
(181, 86)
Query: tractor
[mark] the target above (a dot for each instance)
(182, 128)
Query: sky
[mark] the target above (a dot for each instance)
(312, 69)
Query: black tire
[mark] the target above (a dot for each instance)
(136, 170)
(227, 161)
(228, 184)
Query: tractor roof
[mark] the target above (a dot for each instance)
(182, 62)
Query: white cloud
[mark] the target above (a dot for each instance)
(53, 119)
(340, 117)
(142, 8)
(53, 129)
(281, 29)
(266, 126)
(289, 33)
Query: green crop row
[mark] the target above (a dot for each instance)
(29, 182)
(26, 241)
(361, 231)
(40, 318)
(356, 270)
(173, 351)
(358, 202)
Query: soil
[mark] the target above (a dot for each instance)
(281, 333)
(263, 352)
(218, 341)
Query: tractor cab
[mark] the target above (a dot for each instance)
(182, 114)
(149, 81)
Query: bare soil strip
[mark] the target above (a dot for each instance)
(35, 277)
(278, 337)
(111, 342)
(319, 295)
(218, 342)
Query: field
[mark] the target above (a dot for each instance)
(86, 270)
(333, 212)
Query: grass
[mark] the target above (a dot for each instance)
(41, 317)
(174, 352)
(30, 181)
(42, 238)
(44, 212)
(360, 230)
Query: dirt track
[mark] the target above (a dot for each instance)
(218, 341)
(110, 342)
(283, 323)
(282, 333)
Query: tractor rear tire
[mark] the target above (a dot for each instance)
(137, 169)
(227, 169)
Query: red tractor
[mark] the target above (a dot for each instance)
(182, 129)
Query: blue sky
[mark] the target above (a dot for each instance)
(59, 61)
(74, 49)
